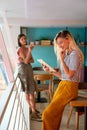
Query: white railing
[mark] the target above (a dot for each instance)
(14, 110)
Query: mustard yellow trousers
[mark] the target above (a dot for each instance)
(52, 115)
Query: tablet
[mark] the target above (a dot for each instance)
(44, 63)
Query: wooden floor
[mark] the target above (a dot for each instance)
(38, 125)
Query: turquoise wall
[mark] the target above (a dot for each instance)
(47, 53)
(50, 32)
(42, 33)
(78, 33)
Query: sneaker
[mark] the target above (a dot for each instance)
(38, 112)
(35, 117)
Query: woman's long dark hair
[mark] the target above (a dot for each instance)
(19, 37)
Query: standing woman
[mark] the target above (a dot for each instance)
(25, 73)
(71, 61)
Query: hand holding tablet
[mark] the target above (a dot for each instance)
(44, 63)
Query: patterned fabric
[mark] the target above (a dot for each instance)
(52, 115)
(25, 73)
(74, 62)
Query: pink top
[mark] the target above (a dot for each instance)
(24, 51)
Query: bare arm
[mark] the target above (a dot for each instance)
(27, 59)
(55, 73)
(31, 59)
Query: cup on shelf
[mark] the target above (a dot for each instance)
(32, 43)
(82, 43)
(37, 42)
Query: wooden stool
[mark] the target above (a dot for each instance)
(79, 104)
(79, 111)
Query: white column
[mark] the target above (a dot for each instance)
(9, 42)
(6, 58)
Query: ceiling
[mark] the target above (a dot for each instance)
(44, 12)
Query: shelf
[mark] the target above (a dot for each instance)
(43, 45)
(82, 45)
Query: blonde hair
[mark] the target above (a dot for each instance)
(72, 44)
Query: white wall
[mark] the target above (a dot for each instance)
(12, 43)
(15, 30)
